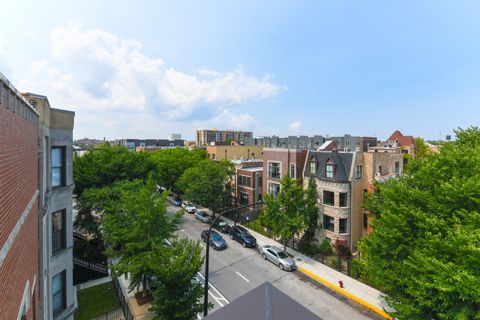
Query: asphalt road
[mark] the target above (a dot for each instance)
(237, 270)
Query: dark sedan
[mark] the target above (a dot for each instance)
(221, 225)
(216, 240)
(241, 235)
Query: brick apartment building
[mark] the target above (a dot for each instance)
(234, 152)
(279, 162)
(248, 181)
(19, 273)
(205, 137)
(35, 207)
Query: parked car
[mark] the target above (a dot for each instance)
(174, 201)
(241, 235)
(160, 189)
(189, 207)
(203, 216)
(221, 225)
(216, 240)
(278, 256)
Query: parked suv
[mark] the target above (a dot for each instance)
(189, 207)
(216, 240)
(174, 201)
(221, 225)
(203, 216)
(278, 256)
(241, 235)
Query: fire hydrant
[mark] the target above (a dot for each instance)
(340, 283)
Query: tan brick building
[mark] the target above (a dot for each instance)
(234, 152)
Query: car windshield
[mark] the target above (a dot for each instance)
(282, 254)
(222, 223)
(216, 237)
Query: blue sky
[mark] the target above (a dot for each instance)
(147, 68)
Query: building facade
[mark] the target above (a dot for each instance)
(407, 143)
(19, 272)
(279, 162)
(133, 144)
(55, 135)
(234, 152)
(343, 179)
(205, 137)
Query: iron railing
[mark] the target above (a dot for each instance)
(121, 298)
(116, 314)
(100, 266)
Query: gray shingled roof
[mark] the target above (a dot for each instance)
(265, 302)
(342, 160)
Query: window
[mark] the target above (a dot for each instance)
(328, 223)
(292, 170)
(274, 170)
(244, 181)
(243, 198)
(58, 231)
(397, 167)
(260, 181)
(343, 199)
(358, 172)
(313, 167)
(273, 189)
(365, 220)
(329, 170)
(380, 170)
(328, 198)
(58, 293)
(342, 226)
(58, 166)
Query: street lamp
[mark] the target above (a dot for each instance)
(205, 295)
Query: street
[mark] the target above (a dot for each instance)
(237, 270)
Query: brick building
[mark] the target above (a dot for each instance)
(279, 162)
(249, 183)
(234, 152)
(19, 273)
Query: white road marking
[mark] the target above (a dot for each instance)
(217, 296)
(242, 276)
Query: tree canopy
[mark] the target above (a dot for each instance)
(424, 251)
(208, 184)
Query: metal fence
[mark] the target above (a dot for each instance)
(116, 314)
(121, 298)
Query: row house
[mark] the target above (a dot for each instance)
(279, 162)
(343, 179)
(406, 143)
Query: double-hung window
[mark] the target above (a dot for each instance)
(329, 170)
(58, 166)
(58, 293)
(58, 231)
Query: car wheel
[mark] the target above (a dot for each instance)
(244, 244)
(264, 256)
(281, 266)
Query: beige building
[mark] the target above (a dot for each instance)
(206, 137)
(234, 152)
(343, 179)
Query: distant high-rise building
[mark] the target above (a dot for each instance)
(174, 136)
(205, 136)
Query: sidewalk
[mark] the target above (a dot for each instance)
(363, 294)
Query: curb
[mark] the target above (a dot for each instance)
(346, 293)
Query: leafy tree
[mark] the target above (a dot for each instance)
(176, 295)
(311, 210)
(207, 184)
(421, 149)
(424, 251)
(105, 165)
(137, 223)
(325, 249)
(171, 163)
(282, 215)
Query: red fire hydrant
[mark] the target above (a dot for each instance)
(340, 283)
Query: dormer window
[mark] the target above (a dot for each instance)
(313, 167)
(329, 170)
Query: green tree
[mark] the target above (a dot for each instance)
(283, 214)
(424, 251)
(171, 163)
(208, 184)
(176, 294)
(105, 165)
(136, 224)
(311, 211)
(421, 149)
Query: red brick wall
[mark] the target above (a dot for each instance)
(18, 183)
(282, 155)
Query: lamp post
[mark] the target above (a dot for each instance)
(205, 294)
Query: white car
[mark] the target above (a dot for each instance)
(190, 208)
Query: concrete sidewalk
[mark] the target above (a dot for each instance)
(363, 294)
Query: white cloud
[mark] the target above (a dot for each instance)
(97, 72)
(295, 125)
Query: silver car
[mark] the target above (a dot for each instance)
(203, 216)
(278, 256)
